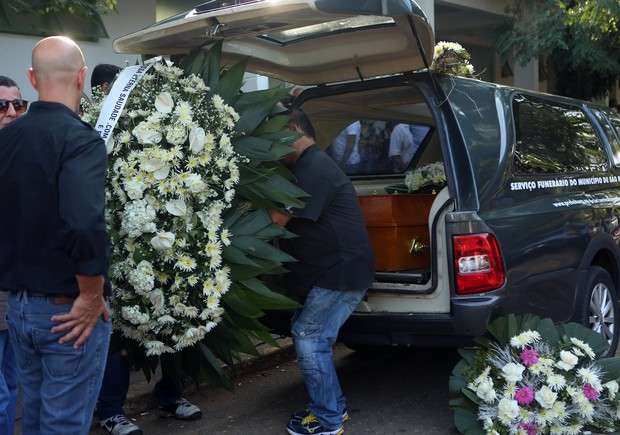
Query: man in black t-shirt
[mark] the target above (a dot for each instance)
(335, 265)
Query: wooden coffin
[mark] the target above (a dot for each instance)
(394, 222)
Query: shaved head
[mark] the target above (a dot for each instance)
(58, 70)
(56, 58)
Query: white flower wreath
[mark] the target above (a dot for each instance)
(171, 174)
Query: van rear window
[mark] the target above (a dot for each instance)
(552, 137)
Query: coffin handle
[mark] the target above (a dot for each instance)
(417, 247)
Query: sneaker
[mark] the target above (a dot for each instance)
(181, 410)
(310, 426)
(119, 425)
(300, 415)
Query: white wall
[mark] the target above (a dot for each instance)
(132, 15)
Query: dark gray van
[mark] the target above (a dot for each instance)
(528, 218)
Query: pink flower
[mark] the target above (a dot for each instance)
(590, 392)
(524, 396)
(529, 357)
(529, 428)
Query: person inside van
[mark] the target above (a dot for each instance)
(404, 142)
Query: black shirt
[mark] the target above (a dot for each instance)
(52, 181)
(332, 248)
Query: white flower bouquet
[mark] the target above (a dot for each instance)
(531, 382)
(450, 58)
(429, 175)
(192, 170)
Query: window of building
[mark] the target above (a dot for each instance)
(552, 137)
(50, 24)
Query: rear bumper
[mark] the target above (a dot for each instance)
(468, 319)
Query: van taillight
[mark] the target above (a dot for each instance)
(478, 263)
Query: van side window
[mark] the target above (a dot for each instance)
(610, 121)
(554, 138)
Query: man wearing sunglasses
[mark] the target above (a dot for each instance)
(11, 106)
(54, 249)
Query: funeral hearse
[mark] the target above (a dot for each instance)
(526, 216)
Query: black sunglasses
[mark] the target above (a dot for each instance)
(19, 105)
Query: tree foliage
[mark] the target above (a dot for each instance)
(87, 9)
(580, 39)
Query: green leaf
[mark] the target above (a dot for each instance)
(467, 421)
(258, 248)
(457, 380)
(213, 367)
(236, 300)
(253, 116)
(233, 254)
(231, 81)
(548, 332)
(211, 69)
(251, 222)
(611, 368)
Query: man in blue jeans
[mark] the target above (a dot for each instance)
(54, 246)
(335, 265)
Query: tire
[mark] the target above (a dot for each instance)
(600, 307)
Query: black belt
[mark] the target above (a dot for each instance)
(55, 298)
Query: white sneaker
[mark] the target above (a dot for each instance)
(119, 425)
(181, 410)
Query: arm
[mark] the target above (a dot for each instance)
(349, 149)
(85, 312)
(280, 219)
(398, 163)
(81, 206)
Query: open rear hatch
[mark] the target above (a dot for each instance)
(306, 42)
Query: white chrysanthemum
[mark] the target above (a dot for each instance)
(218, 102)
(612, 388)
(556, 381)
(524, 339)
(559, 410)
(213, 302)
(184, 113)
(195, 183)
(590, 377)
(225, 237)
(166, 319)
(156, 347)
(583, 346)
(185, 263)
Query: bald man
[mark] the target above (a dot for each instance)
(54, 246)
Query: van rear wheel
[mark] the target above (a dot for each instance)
(600, 308)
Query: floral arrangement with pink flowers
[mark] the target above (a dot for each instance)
(544, 380)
